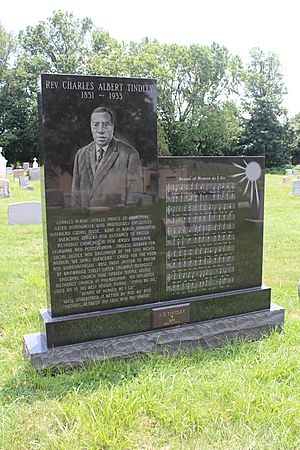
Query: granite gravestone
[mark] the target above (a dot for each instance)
(23, 181)
(128, 251)
(24, 213)
(34, 173)
(296, 187)
(4, 189)
(102, 242)
(35, 163)
(212, 233)
(17, 173)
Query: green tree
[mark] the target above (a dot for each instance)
(294, 129)
(107, 56)
(59, 44)
(19, 121)
(265, 122)
(7, 46)
(199, 117)
(194, 85)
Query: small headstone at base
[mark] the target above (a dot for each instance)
(28, 187)
(17, 173)
(25, 213)
(26, 165)
(34, 173)
(296, 187)
(4, 189)
(289, 172)
(23, 181)
(286, 179)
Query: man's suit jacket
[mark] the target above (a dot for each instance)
(117, 179)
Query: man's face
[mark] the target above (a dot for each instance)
(102, 128)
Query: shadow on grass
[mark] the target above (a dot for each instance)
(29, 385)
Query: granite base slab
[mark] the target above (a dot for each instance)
(210, 333)
(86, 327)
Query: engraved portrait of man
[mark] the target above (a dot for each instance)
(107, 171)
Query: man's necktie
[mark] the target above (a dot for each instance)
(99, 155)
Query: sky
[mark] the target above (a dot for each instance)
(239, 25)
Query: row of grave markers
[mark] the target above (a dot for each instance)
(287, 179)
(23, 212)
(22, 175)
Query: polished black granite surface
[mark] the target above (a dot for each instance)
(101, 192)
(211, 211)
(134, 242)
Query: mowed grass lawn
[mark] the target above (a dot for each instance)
(240, 396)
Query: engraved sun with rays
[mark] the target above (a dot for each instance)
(251, 172)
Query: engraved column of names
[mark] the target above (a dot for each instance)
(200, 237)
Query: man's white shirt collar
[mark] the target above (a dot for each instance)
(98, 148)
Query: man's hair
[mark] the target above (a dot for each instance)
(103, 109)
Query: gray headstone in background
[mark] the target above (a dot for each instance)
(286, 179)
(34, 173)
(296, 187)
(17, 173)
(25, 165)
(289, 172)
(24, 213)
(9, 170)
(295, 172)
(4, 189)
(23, 181)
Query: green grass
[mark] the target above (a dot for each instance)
(240, 396)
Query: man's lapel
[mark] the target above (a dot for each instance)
(90, 161)
(105, 164)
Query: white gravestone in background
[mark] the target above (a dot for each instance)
(296, 187)
(35, 164)
(3, 162)
(24, 213)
